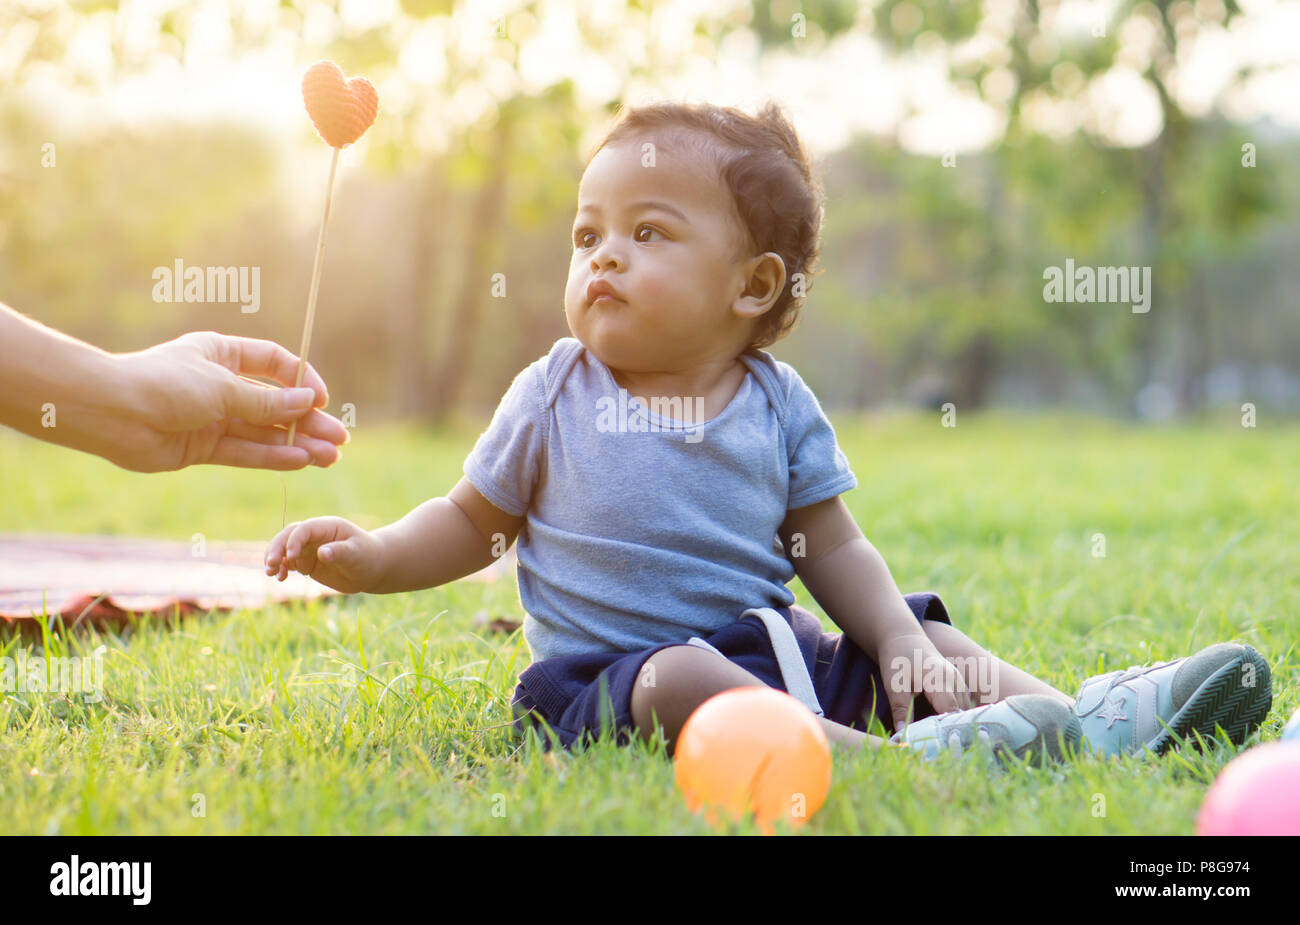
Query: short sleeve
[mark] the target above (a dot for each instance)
(818, 467)
(506, 460)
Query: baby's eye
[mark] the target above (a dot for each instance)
(580, 236)
(646, 228)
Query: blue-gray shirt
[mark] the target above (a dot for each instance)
(641, 528)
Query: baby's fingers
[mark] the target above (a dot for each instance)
(950, 692)
(275, 549)
(301, 546)
(342, 554)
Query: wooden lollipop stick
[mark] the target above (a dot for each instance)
(315, 286)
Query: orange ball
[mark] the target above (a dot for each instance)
(754, 750)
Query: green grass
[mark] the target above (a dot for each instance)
(390, 714)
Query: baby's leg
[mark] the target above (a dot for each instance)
(989, 678)
(676, 680)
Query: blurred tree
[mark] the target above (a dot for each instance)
(1023, 60)
(473, 168)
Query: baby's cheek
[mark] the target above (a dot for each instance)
(663, 288)
(571, 293)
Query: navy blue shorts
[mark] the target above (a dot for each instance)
(579, 696)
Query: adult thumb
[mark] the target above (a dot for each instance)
(260, 405)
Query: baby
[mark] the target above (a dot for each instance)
(667, 477)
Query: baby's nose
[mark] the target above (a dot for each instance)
(605, 256)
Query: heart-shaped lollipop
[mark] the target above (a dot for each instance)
(341, 109)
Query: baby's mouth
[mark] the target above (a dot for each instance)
(600, 292)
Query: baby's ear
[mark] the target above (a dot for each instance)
(764, 283)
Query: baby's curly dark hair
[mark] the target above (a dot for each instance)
(769, 174)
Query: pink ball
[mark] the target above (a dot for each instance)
(1258, 793)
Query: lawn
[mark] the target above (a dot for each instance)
(390, 714)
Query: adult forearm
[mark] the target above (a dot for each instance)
(434, 544)
(59, 389)
(853, 585)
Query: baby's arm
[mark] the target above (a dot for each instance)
(849, 578)
(445, 539)
(440, 541)
(846, 574)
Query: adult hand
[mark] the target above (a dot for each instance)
(190, 405)
(178, 404)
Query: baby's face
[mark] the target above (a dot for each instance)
(664, 237)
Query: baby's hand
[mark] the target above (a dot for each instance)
(910, 664)
(333, 551)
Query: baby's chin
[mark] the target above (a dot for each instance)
(607, 353)
(615, 352)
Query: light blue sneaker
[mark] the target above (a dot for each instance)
(1292, 731)
(1025, 726)
(1154, 707)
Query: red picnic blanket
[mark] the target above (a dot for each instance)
(102, 579)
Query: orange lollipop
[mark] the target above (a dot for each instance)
(754, 749)
(341, 110)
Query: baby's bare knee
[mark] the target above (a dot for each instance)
(676, 680)
(654, 687)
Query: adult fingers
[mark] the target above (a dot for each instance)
(317, 423)
(323, 453)
(281, 407)
(262, 404)
(268, 360)
(251, 454)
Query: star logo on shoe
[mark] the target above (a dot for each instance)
(1111, 711)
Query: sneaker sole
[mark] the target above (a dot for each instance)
(1222, 702)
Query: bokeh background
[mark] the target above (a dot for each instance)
(1099, 505)
(965, 148)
